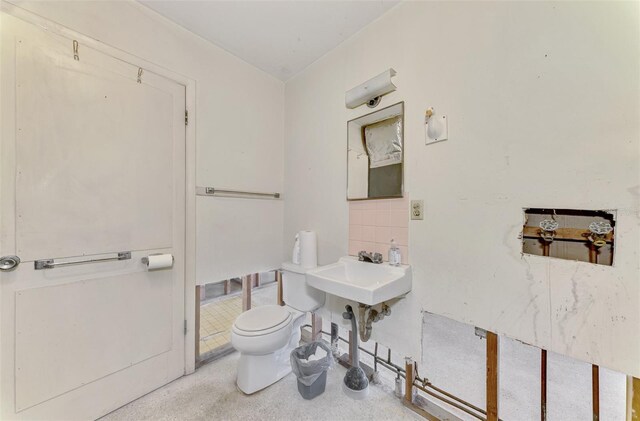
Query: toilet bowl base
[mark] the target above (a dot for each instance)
(255, 372)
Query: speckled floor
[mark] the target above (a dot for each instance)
(210, 394)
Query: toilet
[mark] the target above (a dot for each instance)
(266, 335)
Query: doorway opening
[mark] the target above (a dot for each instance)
(219, 303)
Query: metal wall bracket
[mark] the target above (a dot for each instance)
(76, 56)
(481, 333)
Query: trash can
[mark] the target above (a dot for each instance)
(310, 364)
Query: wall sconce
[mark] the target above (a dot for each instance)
(371, 91)
(437, 128)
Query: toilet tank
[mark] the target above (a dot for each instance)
(295, 291)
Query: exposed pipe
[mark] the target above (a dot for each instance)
(367, 315)
(421, 383)
(545, 248)
(450, 402)
(593, 254)
(375, 358)
(427, 383)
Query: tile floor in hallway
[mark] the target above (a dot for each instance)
(216, 319)
(217, 316)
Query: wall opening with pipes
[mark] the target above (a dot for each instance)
(571, 234)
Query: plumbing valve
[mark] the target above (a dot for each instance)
(548, 229)
(599, 231)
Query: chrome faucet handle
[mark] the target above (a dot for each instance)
(364, 256)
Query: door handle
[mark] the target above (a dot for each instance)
(9, 263)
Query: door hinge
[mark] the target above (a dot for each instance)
(185, 327)
(186, 117)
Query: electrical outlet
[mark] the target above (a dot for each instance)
(417, 209)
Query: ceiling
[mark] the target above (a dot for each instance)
(280, 37)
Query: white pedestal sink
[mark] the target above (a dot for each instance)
(363, 282)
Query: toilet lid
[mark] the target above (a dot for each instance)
(261, 318)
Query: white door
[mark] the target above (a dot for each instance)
(93, 164)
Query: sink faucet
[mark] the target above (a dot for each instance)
(363, 256)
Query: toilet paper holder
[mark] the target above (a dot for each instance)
(145, 260)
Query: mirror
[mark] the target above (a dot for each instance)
(375, 154)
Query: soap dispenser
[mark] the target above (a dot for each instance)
(394, 254)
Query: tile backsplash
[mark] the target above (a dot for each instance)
(373, 223)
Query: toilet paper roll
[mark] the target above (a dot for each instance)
(308, 249)
(159, 261)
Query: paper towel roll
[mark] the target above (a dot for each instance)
(308, 249)
(159, 261)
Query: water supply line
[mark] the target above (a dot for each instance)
(547, 233)
(422, 384)
(599, 231)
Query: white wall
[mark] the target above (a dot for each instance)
(519, 82)
(239, 134)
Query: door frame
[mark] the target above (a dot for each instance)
(190, 157)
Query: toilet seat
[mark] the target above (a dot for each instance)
(262, 330)
(262, 320)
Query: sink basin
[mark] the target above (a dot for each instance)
(363, 282)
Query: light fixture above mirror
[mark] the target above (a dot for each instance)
(371, 91)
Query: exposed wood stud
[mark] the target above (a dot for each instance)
(408, 381)
(227, 286)
(492, 376)
(256, 280)
(246, 292)
(280, 299)
(543, 385)
(595, 391)
(199, 290)
(633, 399)
(316, 327)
